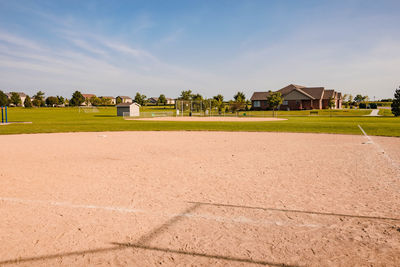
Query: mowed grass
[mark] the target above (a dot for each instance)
(50, 120)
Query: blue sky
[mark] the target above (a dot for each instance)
(211, 47)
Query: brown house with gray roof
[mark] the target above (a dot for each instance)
(298, 97)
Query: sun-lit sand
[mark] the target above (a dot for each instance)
(199, 198)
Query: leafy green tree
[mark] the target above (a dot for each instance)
(38, 99)
(77, 99)
(396, 103)
(239, 97)
(218, 101)
(61, 100)
(140, 99)
(3, 99)
(239, 101)
(331, 103)
(28, 102)
(248, 103)
(344, 100)
(274, 99)
(105, 101)
(118, 100)
(51, 101)
(360, 98)
(15, 99)
(186, 95)
(162, 100)
(95, 101)
(197, 97)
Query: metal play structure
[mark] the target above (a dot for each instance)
(4, 116)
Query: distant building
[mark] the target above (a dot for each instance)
(128, 109)
(87, 99)
(21, 95)
(170, 101)
(154, 100)
(125, 99)
(111, 99)
(297, 97)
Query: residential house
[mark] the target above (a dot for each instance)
(111, 99)
(125, 99)
(87, 99)
(21, 95)
(170, 101)
(298, 97)
(154, 100)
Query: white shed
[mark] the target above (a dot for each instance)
(128, 109)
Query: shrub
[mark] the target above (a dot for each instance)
(373, 105)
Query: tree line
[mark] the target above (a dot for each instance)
(238, 103)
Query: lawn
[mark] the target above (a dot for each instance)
(49, 120)
(386, 112)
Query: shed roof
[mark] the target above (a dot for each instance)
(127, 104)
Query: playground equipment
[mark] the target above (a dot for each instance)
(4, 118)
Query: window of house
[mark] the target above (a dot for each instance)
(256, 104)
(284, 102)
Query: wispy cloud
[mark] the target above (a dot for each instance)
(156, 52)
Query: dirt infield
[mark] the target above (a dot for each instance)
(237, 119)
(199, 198)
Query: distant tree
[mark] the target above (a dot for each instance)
(248, 103)
(358, 98)
(28, 102)
(162, 100)
(3, 99)
(197, 97)
(15, 99)
(274, 99)
(396, 103)
(331, 103)
(105, 101)
(219, 102)
(118, 100)
(239, 97)
(186, 95)
(87, 101)
(51, 101)
(95, 101)
(350, 100)
(140, 99)
(38, 99)
(239, 101)
(345, 101)
(61, 100)
(77, 99)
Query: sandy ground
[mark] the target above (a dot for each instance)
(241, 119)
(199, 198)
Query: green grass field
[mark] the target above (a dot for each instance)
(50, 120)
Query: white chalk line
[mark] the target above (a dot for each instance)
(241, 220)
(381, 150)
